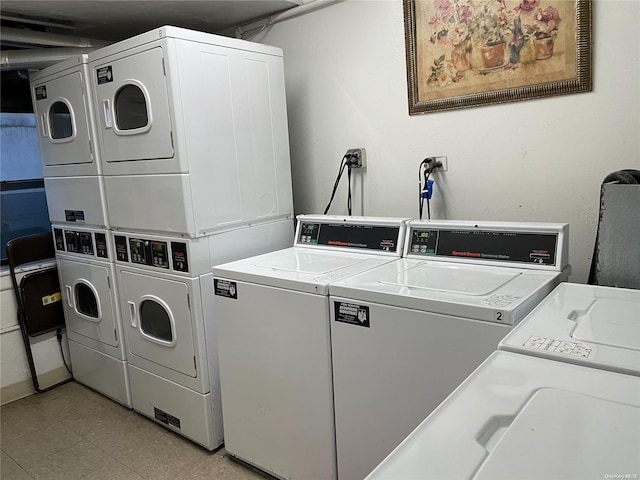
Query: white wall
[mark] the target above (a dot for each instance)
(536, 160)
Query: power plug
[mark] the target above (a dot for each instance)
(356, 157)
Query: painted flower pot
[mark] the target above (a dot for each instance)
(543, 47)
(493, 55)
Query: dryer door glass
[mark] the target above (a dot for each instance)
(86, 301)
(60, 121)
(155, 321)
(130, 108)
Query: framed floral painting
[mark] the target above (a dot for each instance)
(465, 53)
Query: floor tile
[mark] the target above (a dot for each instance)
(19, 419)
(71, 463)
(39, 444)
(165, 457)
(219, 466)
(114, 470)
(10, 470)
(74, 399)
(115, 429)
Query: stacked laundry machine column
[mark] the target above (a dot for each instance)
(77, 208)
(193, 136)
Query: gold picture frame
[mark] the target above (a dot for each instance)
(467, 53)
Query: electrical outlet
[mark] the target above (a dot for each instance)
(443, 161)
(357, 157)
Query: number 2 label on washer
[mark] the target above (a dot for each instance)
(499, 316)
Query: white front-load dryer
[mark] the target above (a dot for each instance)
(589, 325)
(274, 341)
(193, 132)
(528, 418)
(166, 301)
(90, 297)
(69, 149)
(432, 318)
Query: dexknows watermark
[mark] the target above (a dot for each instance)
(621, 476)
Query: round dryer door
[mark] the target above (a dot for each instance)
(157, 314)
(89, 306)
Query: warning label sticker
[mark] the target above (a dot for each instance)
(104, 74)
(225, 288)
(351, 313)
(41, 92)
(53, 298)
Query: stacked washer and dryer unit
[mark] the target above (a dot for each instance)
(77, 209)
(193, 140)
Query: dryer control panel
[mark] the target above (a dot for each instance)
(152, 253)
(82, 242)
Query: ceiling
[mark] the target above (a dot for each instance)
(43, 25)
(117, 20)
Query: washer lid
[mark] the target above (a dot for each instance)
(585, 324)
(467, 280)
(480, 292)
(299, 269)
(609, 321)
(521, 417)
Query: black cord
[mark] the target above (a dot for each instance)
(59, 335)
(426, 184)
(343, 164)
(424, 162)
(349, 197)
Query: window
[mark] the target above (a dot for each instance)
(60, 121)
(86, 301)
(22, 199)
(155, 321)
(131, 108)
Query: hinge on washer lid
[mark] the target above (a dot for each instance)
(171, 136)
(115, 334)
(164, 70)
(188, 303)
(194, 362)
(109, 283)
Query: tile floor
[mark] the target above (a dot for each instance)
(72, 432)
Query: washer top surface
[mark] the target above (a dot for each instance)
(523, 417)
(499, 294)
(299, 268)
(327, 248)
(590, 325)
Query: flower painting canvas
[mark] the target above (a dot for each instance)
(463, 53)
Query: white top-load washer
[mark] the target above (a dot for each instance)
(588, 325)
(193, 132)
(425, 322)
(274, 341)
(527, 418)
(166, 302)
(85, 259)
(69, 150)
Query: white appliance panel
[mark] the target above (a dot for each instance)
(158, 203)
(159, 322)
(101, 372)
(518, 416)
(419, 357)
(275, 372)
(80, 200)
(176, 407)
(133, 107)
(89, 302)
(589, 325)
(62, 107)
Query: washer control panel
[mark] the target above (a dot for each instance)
(357, 236)
(152, 253)
(488, 245)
